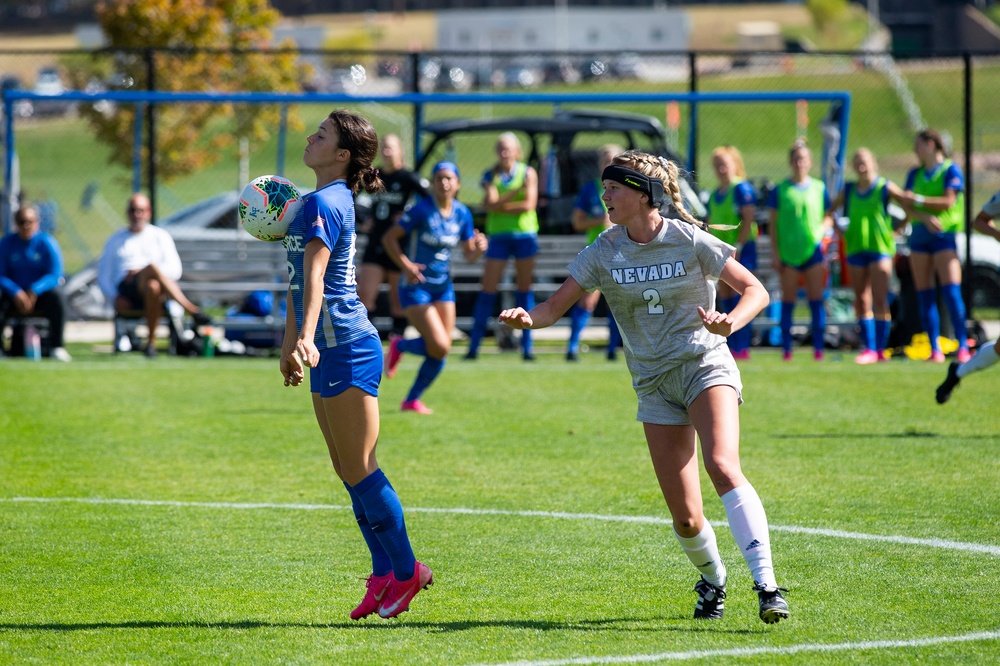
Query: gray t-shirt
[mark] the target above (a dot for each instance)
(654, 290)
(992, 207)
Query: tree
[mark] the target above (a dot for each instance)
(195, 45)
(826, 12)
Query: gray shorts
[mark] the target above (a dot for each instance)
(667, 404)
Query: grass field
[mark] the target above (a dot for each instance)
(184, 511)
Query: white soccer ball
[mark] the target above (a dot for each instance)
(268, 204)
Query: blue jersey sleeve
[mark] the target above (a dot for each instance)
(772, 199)
(588, 200)
(953, 179)
(744, 195)
(325, 223)
(911, 177)
(414, 216)
(53, 266)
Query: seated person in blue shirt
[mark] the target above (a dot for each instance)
(31, 269)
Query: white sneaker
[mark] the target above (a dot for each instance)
(60, 354)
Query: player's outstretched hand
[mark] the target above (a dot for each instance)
(720, 323)
(516, 318)
(291, 369)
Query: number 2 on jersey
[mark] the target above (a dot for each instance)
(652, 298)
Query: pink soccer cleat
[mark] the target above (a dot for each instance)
(936, 357)
(401, 592)
(866, 357)
(743, 355)
(883, 356)
(818, 355)
(377, 587)
(964, 355)
(786, 356)
(394, 356)
(415, 406)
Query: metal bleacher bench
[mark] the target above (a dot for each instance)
(222, 266)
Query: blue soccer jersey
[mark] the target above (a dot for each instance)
(432, 236)
(328, 214)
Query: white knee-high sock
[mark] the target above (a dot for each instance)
(703, 551)
(748, 523)
(984, 358)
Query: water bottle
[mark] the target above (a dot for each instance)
(32, 343)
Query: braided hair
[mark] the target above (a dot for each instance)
(655, 166)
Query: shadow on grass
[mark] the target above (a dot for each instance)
(866, 435)
(629, 624)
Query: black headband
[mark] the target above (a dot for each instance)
(651, 187)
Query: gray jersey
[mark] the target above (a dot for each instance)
(654, 290)
(992, 207)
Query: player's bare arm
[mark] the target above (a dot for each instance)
(547, 313)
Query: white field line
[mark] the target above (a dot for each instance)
(649, 520)
(750, 652)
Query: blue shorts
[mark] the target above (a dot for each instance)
(748, 256)
(357, 363)
(922, 240)
(865, 258)
(425, 294)
(816, 258)
(519, 246)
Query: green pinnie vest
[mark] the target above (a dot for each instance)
(800, 221)
(953, 219)
(506, 223)
(724, 213)
(870, 226)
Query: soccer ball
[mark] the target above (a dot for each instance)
(268, 204)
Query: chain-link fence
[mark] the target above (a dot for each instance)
(81, 160)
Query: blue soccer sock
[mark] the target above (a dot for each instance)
(882, 327)
(868, 336)
(927, 301)
(428, 372)
(480, 316)
(735, 341)
(526, 300)
(786, 325)
(380, 559)
(578, 318)
(416, 346)
(956, 310)
(818, 310)
(385, 516)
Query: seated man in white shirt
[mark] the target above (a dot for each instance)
(139, 270)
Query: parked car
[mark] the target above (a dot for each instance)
(49, 83)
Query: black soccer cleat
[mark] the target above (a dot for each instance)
(949, 383)
(711, 600)
(773, 606)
